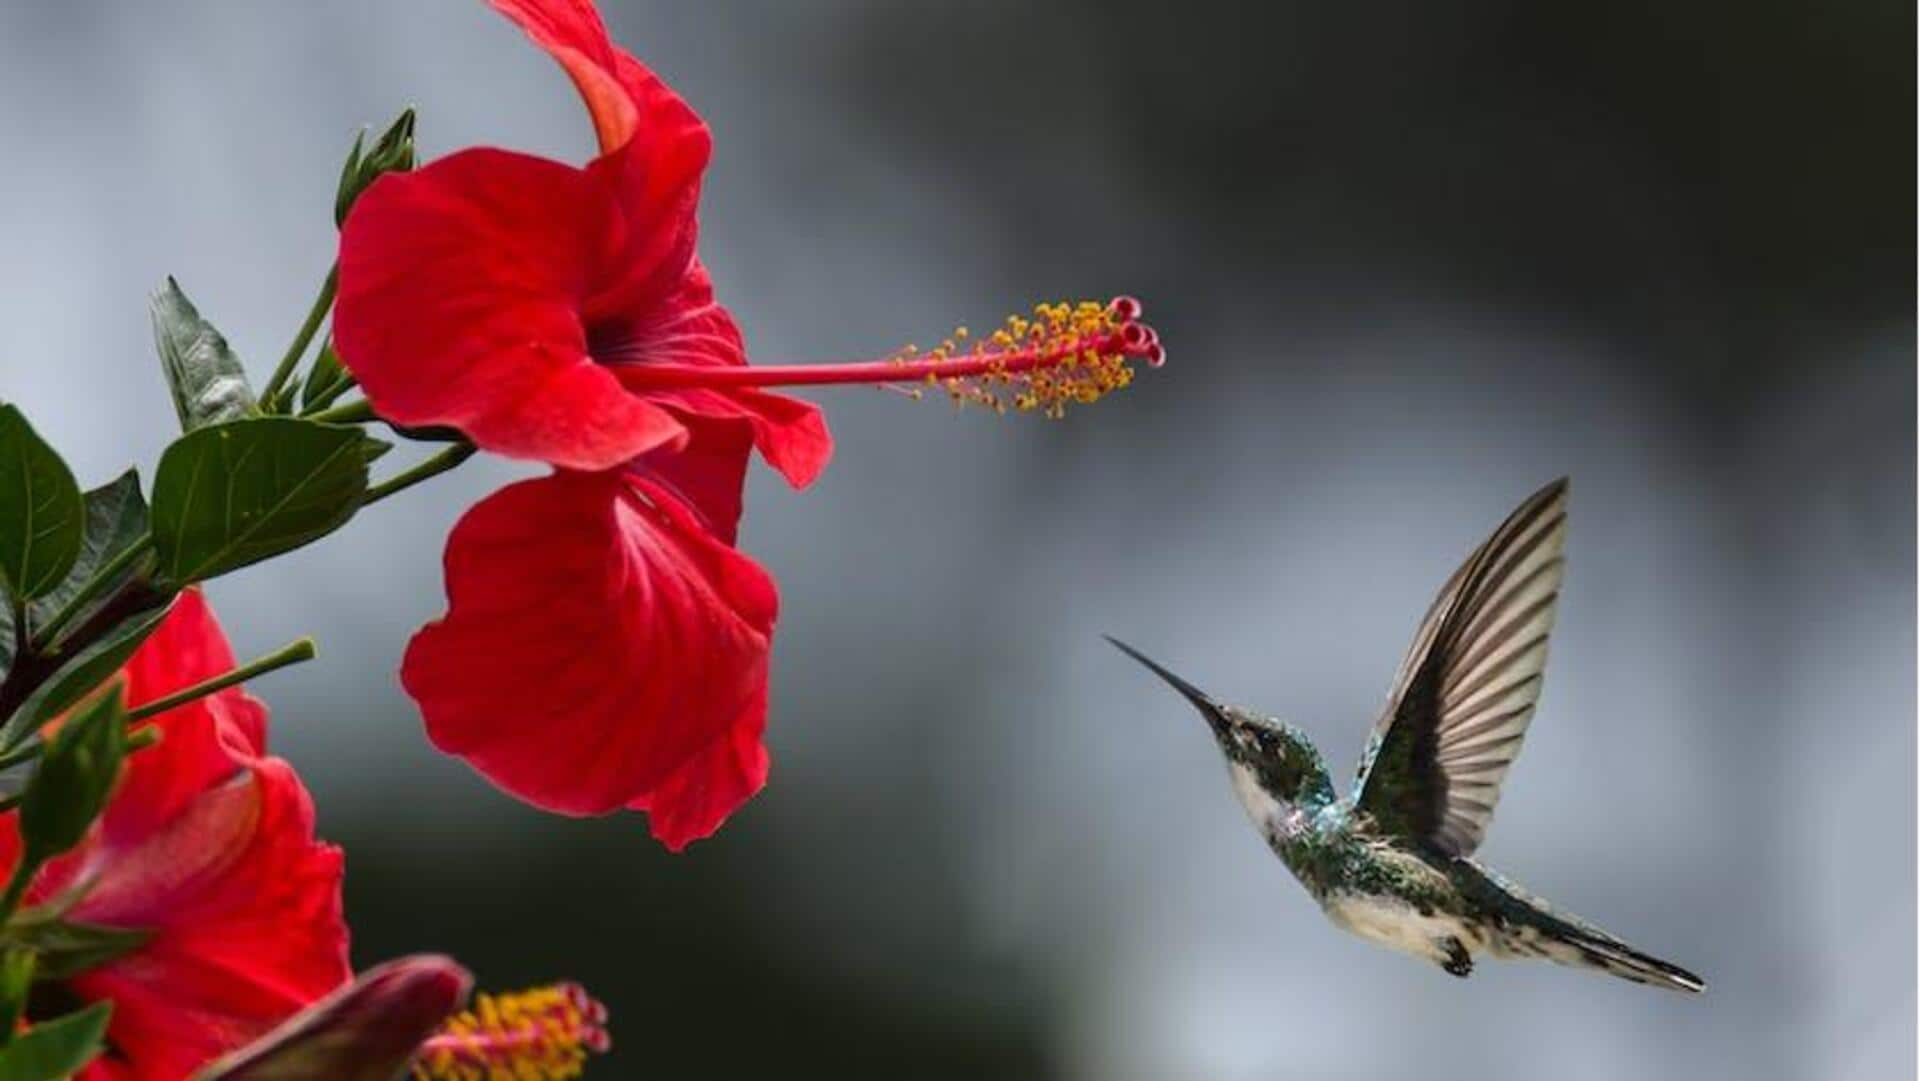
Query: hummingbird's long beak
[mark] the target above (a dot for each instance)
(1211, 710)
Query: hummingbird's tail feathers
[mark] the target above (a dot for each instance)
(1613, 956)
(1187, 690)
(1536, 929)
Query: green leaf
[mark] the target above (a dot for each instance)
(116, 518)
(58, 1048)
(76, 774)
(208, 382)
(82, 673)
(40, 511)
(16, 983)
(239, 492)
(67, 949)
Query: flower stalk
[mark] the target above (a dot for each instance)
(295, 652)
(280, 384)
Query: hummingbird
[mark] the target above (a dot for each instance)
(1392, 862)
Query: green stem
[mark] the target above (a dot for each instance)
(26, 752)
(291, 653)
(137, 740)
(333, 392)
(327, 398)
(432, 467)
(23, 873)
(90, 589)
(350, 413)
(322, 304)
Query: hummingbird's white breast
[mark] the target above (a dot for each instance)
(1275, 820)
(1391, 922)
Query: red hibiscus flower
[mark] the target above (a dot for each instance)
(605, 647)
(622, 664)
(207, 847)
(541, 280)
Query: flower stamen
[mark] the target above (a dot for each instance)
(1060, 355)
(543, 1034)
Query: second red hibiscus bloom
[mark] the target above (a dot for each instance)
(206, 852)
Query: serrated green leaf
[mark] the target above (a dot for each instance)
(83, 672)
(40, 510)
(208, 382)
(66, 949)
(236, 493)
(58, 1048)
(116, 518)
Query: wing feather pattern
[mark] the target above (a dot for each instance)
(1461, 702)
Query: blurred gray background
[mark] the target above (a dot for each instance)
(1411, 259)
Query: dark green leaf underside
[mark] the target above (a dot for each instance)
(116, 518)
(208, 382)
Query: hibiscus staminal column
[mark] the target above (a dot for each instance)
(544, 1034)
(1063, 354)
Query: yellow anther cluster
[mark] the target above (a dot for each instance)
(1059, 355)
(544, 1034)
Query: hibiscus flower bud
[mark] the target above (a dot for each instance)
(369, 1030)
(393, 152)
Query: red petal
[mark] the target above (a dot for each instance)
(188, 648)
(653, 146)
(597, 641)
(253, 935)
(625, 99)
(791, 434)
(689, 327)
(709, 474)
(571, 31)
(208, 740)
(699, 796)
(461, 293)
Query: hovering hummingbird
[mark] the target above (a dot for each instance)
(1391, 862)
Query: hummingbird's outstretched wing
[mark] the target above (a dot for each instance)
(1461, 702)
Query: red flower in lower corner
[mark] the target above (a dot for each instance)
(207, 849)
(601, 650)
